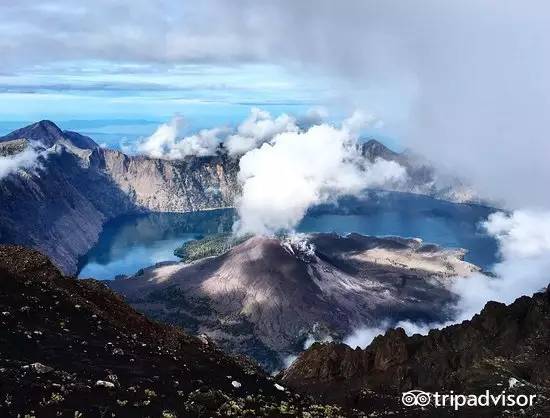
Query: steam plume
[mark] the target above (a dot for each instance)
(296, 170)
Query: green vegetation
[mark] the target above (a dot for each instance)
(209, 246)
(201, 401)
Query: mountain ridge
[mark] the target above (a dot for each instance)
(501, 344)
(61, 204)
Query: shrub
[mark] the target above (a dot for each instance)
(209, 246)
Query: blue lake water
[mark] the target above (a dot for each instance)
(132, 242)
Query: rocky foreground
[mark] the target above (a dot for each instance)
(504, 348)
(266, 296)
(72, 348)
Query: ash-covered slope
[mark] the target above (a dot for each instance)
(61, 205)
(72, 348)
(265, 297)
(502, 348)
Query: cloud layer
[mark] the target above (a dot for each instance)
(45, 31)
(362, 337)
(166, 142)
(259, 127)
(472, 76)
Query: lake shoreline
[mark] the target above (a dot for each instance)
(379, 213)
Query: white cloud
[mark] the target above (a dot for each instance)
(357, 121)
(296, 170)
(524, 244)
(258, 128)
(26, 159)
(362, 337)
(315, 115)
(521, 234)
(384, 173)
(164, 142)
(159, 144)
(205, 142)
(311, 339)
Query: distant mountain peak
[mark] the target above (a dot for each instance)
(47, 124)
(48, 133)
(373, 149)
(374, 142)
(44, 127)
(45, 131)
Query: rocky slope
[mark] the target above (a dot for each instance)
(502, 348)
(72, 348)
(422, 177)
(61, 205)
(266, 297)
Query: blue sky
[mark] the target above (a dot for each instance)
(118, 103)
(115, 102)
(104, 90)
